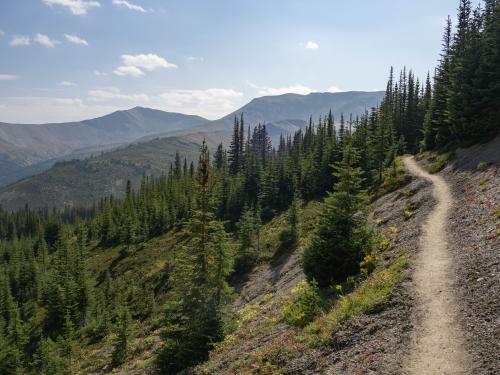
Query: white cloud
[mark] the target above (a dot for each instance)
(253, 85)
(133, 65)
(113, 93)
(76, 40)
(67, 83)
(128, 71)
(2, 33)
(297, 89)
(8, 77)
(69, 101)
(334, 89)
(294, 89)
(45, 41)
(211, 103)
(126, 4)
(76, 7)
(148, 61)
(194, 58)
(51, 109)
(99, 74)
(20, 40)
(312, 45)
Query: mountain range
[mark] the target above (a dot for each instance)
(27, 148)
(80, 162)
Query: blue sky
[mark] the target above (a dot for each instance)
(65, 60)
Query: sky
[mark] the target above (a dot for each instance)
(68, 60)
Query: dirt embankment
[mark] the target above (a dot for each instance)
(474, 226)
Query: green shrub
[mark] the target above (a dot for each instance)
(368, 264)
(409, 209)
(394, 178)
(288, 237)
(97, 328)
(482, 166)
(441, 161)
(306, 306)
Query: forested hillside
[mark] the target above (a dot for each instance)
(150, 277)
(81, 183)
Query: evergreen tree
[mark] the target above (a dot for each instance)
(486, 118)
(248, 233)
(47, 359)
(122, 338)
(194, 319)
(342, 237)
(235, 150)
(459, 91)
(440, 124)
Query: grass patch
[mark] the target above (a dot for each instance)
(370, 296)
(307, 304)
(409, 209)
(441, 161)
(483, 166)
(394, 178)
(424, 155)
(270, 244)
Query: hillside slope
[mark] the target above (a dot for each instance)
(474, 225)
(264, 343)
(369, 329)
(27, 148)
(372, 329)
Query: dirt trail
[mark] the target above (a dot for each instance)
(438, 346)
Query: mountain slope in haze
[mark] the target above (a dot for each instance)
(82, 182)
(26, 148)
(275, 109)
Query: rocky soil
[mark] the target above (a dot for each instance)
(475, 244)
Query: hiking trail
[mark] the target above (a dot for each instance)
(438, 346)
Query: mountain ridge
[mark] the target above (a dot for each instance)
(29, 147)
(299, 107)
(86, 181)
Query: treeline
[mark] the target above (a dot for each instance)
(465, 105)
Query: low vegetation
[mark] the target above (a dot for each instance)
(369, 296)
(441, 161)
(307, 304)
